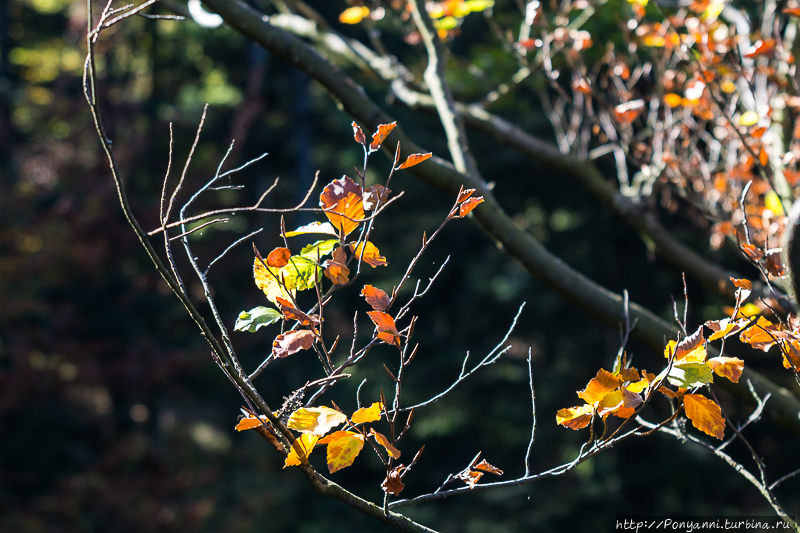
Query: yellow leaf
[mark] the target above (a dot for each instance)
(575, 417)
(368, 414)
(599, 386)
(673, 100)
(748, 118)
(315, 420)
(727, 367)
(705, 415)
(773, 203)
(371, 254)
(301, 449)
(343, 448)
(267, 281)
(353, 15)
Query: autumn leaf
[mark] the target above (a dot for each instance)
(581, 85)
(575, 417)
(673, 100)
(470, 477)
(380, 135)
(292, 342)
(387, 331)
(251, 421)
(315, 227)
(358, 134)
(725, 328)
(690, 349)
(761, 48)
(613, 403)
(354, 15)
(343, 197)
(319, 249)
(336, 268)
(371, 254)
(301, 273)
(292, 313)
(393, 452)
(630, 398)
(256, 318)
(690, 375)
(374, 194)
(752, 252)
(393, 484)
(791, 355)
(705, 415)
(315, 420)
(375, 297)
(367, 414)
(628, 374)
(727, 367)
(301, 449)
(464, 195)
(267, 281)
(762, 335)
(627, 112)
(468, 205)
(414, 159)
(599, 386)
(343, 448)
(278, 258)
(484, 466)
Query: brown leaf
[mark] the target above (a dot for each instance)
(291, 313)
(468, 205)
(470, 477)
(375, 297)
(358, 134)
(374, 194)
(484, 466)
(752, 252)
(393, 484)
(414, 159)
(728, 367)
(279, 257)
(292, 342)
(336, 269)
(773, 264)
(343, 197)
(380, 135)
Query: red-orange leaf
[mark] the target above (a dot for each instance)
(358, 134)
(335, 268)
(599, 386)
(343, 448)
(727, 367)
(464, 194)
(705, 415)
(371, 255)
(761, 48)
(279, 257)
(627, 112)
(470, 477)
(250, 422)
(794, 11)
(343, 197)
(582, 86)
(575, 417)
(393, 484)
(380, 135)
(292, 342)
(484, 466)
(468, 205)
(762, 335)
(414, 159)
(393, 452)
(375, 297)
(383, 321)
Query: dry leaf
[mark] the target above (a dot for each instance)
(375, 297)
(292, 342)
(315, 420)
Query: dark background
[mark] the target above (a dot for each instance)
(113, 417)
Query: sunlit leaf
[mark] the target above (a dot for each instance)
(290, 312)
(370, 254)
(380, 135)
(343, 448)
(628, 374)
(773, 203)
(627, 112)
(387, 331)
(342, 200)
(765, 48)
(414, 159)
(791, 355)
(464, 195)
(468, 205)
(353, 15)
(315, 420)
(690, 375)
(631, 398)
(256, 318)
(278, 258)
(375, 297)
(336, 268)
(762, 335)
(373, 194)
(251, 421)
(470, 477)
(267, 280)
(393, 452)
(613, 403)
(319, 249)
(725, 328)
(575, 417)
(358, 134)
(367, 414)
(315, 227)
(302, 273)
(748, 118)
(599, 386)
(690, 349)
(292, 342)
(705, 415)
(393, 484)
(301, 449)
(484, 466)
(728, 367)
(673, 100)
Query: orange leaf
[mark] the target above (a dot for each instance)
(343, 197)
(343, 448)
(301, 449)
(690, 350)
(470, 477)
(627, 112)
(468, 205)
(725, 327)
(414, 159)
(292, 342)
(575, 417)
(358, 134)
(464, 194)
(792, 362)
(335, 268)
(599, 386)
(581, 86)
(762, 335)
(279, 257)
(250, 422)
(794, 11)
(484, 466)
(353, 15)
(291, 313)
(380, 135)
(375, 297)
(705, 415)
(393, 484)
(375, 193)
(752, 252)
(371, 254)
(367, 414)
(383, 321)
(761, 48)
(629, 374)
(673, 100)
(315, 420)
(393, 452)
(727, 367)
(613, 403)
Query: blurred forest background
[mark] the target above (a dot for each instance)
(113, 416)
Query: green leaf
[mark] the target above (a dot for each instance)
(446, 23)
(689, 375)
(324, 247)
(301, 273)
(255, 318)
